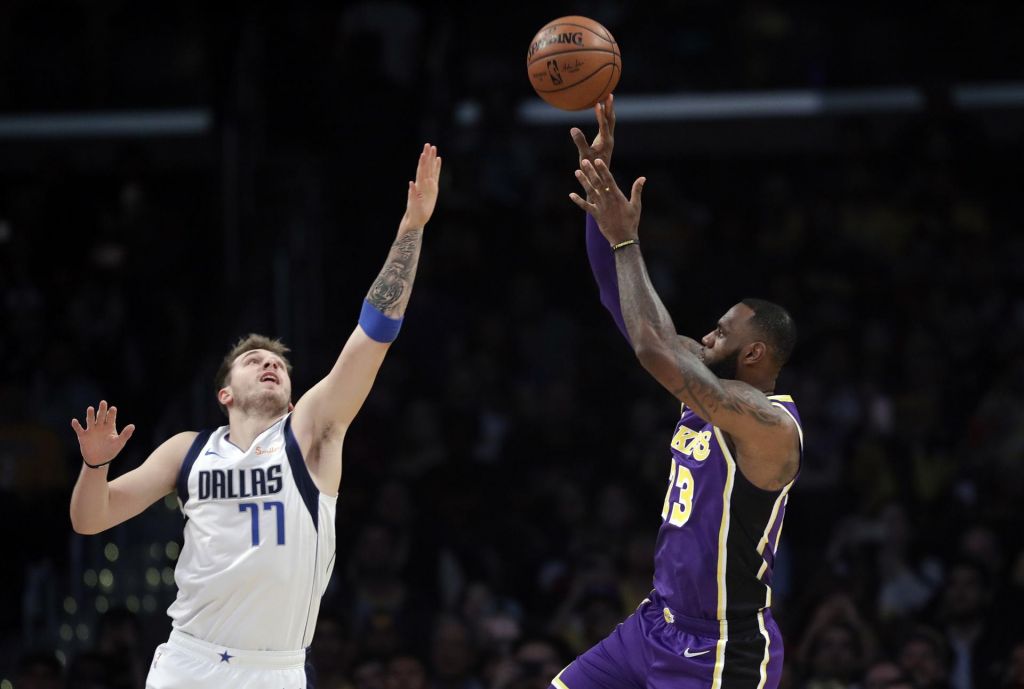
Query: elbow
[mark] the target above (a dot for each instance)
(83, 527)
(653, 355)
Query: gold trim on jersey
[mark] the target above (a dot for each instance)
(781, 398)
(723, 537)
(779, 501)
(557, 681)
(799, 428)
(767, 643)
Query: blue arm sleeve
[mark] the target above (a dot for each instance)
(602, 264)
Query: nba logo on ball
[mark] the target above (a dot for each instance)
(573, 62)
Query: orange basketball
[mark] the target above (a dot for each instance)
(573, 62)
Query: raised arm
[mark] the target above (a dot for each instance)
(736, 407)
(602, 262)
(599, 252)
(96, 504)
(326, 410)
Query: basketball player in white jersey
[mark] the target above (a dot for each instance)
(258, 495)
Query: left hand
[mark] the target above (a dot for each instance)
(617, 217)
(423, 192)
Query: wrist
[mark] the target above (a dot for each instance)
(406, 226)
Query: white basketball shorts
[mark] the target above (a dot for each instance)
(186, 662)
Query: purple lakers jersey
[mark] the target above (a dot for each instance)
(716, 546)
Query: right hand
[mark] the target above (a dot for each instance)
(604, 142)
(423, 192)
(99, 440)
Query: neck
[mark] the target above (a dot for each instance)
(764, 383)
(245, 427)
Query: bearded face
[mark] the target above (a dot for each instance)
(259, 384)
(726, 365)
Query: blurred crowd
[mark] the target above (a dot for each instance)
(503, 485)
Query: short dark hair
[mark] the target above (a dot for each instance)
(245, 344)
(776, 325)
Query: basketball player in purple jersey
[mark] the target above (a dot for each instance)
(735, 453)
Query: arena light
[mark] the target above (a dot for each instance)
(778, 104)
(115, 124)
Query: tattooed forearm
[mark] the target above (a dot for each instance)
(390, 291)
(644, 314)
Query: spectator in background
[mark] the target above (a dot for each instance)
(331, 652)
(924, 656)
(405, 671)
(1013, 674)
(39, 670)
(836, 646)
(963, 613)
(118, 639)
(453, 655)
(885, 674)
(369, 672)
(535, 661)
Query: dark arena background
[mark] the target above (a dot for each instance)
(175, 175)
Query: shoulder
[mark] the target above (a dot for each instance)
(173, 450)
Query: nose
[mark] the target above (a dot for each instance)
(708, 340)
(269, 363)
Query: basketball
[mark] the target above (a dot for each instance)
(573, 63)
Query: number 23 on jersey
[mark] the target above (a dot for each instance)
(677, 511)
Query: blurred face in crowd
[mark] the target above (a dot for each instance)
(369, 674)
(923, 662)
(883, 676)
(1015, 671)
(723, 346)
(452, 651)
(964, 598)
(258, 384)
(538, 662)
(405, 672)
(835, 653)
(375, 554)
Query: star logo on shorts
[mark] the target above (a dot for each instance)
(226, 657)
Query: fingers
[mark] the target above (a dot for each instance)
(581, 142)
(637, 191)
(582, 203)
(429, 166)
(90, 417)
(421, 163)
(609, 112)
(112, 417)
(588, 186)
(602, 119)
(77, 426)
(126, 434)
(599, 178)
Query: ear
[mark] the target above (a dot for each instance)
(756, 351)
(225, 397)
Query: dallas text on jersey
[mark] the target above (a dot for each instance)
(218, 484)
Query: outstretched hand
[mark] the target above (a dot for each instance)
(617, 217)
(423, 192)
(604, 142)
(99, 440)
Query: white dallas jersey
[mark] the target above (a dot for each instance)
(259, 542)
